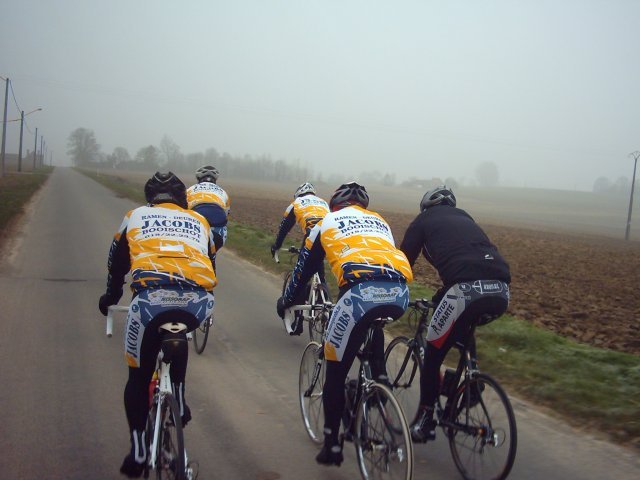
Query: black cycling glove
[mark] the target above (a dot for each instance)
(107, 300)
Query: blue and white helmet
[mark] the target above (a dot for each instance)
(304, 189)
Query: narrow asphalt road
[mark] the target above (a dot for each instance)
(63, 379)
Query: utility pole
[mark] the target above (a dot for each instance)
(635, 156)
(35, 150)
(4, 122)
(41, 149)
(20, 147)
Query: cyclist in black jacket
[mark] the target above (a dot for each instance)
(475, 281)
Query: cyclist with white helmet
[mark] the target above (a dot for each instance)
(211, 201)
(307, 209)
(475, 281)
(167, 249)
(372, 276)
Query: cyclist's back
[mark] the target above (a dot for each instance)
(475, 280)
(307, 209)
(372, 276)
(211, 201)
(167, 249)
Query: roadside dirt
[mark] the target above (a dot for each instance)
(582, 287)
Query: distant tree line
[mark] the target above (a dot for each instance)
(621, 186)
(85, 151)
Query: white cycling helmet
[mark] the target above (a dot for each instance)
(304, 189)
(207, 173)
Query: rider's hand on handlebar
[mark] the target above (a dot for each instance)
(107, 300)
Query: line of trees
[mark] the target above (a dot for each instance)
(85, 151)
(620, 186)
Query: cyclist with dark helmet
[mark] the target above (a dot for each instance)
(212, 202)
(372, 275)
(307, 209)
(475, 281)
(167, 249)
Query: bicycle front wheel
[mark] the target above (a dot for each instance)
(383, 442)
(201, 334)
(170, 459)
(483, 440)
(311, 383)
(403, 370)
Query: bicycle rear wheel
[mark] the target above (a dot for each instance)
(170, 459)
(318, 319)
(484, 441)
(383, 442)
(201, 334)
(403, 370)
(310, 385)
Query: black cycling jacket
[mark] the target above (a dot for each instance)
(455, 245)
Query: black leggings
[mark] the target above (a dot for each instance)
(333, 395)
(136, 392)
(430, 377)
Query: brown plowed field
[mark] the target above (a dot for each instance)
(581, 286)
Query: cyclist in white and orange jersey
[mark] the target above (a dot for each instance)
(372, 277)
(212, 202)
(307, 209)
(167, 249)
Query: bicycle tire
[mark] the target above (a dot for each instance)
(484, 441)
(318, 319)
(382, 438)
(403, 370)
(287, 277)
(311, 398)
(201, 334)
(170, 462)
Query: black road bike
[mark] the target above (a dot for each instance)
(373, 419)
(473, 410)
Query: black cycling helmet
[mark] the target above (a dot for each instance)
(348, 194)
(439, 195)
(165, 188)
(304, 189)
(207, 174)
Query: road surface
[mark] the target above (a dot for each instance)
(62, 379)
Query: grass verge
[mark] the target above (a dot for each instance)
(590, 387)
(16, 189)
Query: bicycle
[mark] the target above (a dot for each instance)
(201, 334)
(372, 419)
(318, 294)
(472, 409)
(164, 436)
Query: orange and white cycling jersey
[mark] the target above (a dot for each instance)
(208, 193)
(308, 210)
(358, 244)
(164, 246)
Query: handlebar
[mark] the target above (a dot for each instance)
(422, 304)
(111, 309)
(291, 249)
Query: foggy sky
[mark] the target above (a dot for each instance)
(547, 90)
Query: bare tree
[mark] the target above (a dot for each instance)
(487, 174)
(82, 147)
